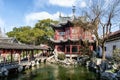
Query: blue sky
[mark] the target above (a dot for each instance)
(17, 13)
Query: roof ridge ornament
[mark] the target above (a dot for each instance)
(73, 10)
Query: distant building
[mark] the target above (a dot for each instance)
(5, 39)
(112, 43)
(8, 40)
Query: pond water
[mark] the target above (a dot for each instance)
(53, 72)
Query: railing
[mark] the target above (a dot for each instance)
(73, 53)
(59, 37)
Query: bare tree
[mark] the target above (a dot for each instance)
(102, 14)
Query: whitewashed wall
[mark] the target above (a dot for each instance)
(109, 47)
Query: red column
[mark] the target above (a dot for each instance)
(57, 35)
(91, 48)
(78, 49)
(28, 57)
(70, 51)
(70, 32)
(19, 57)
(65, 34)
(4, 56)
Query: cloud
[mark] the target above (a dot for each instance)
(32, 18)
(1, 23)
(68, 3)
(40, 3)
(83, 4)
(35, 16)
(63, 3)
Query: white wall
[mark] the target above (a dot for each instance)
(109, 47)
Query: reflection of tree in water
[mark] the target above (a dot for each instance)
(74, 73)
(62, 75)
(45, 72)
(54, 72)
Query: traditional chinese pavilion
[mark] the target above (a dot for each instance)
(68, 38)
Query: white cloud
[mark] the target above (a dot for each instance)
(63, 3)
(83, 4)
(35, 16)
(2, 26)
(32, 18)
(1, 23)
(40, 3)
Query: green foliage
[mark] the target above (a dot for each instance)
(36, 35)
(44, 25)
(85, 50)
(61, 56)
(116, 54)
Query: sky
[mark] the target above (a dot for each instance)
(17, 13)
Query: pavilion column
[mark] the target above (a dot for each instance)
(28, 56)
(4, 56)
(70, 32)
(19, 57)
(78, 49)
(11, 54)
(22, 51)
(91, 48)
(70, 51)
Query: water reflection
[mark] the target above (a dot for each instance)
(53, 72)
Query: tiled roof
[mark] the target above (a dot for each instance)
(66, 40)
(67, 21)
(19, 46)
(114, 33)
(63, 24)
(114, 36)
(9, 39)
(13, 43)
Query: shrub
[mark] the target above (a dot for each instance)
(61, 56)
(116, 54)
